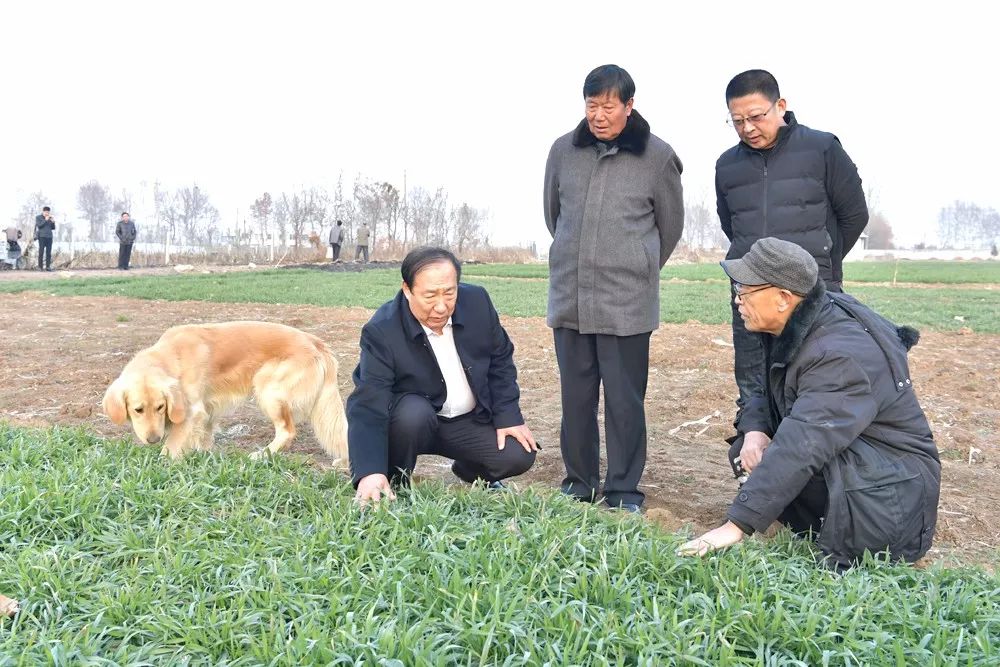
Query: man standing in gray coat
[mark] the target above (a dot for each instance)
(614, 207)
(362, 245)
(126, 233)
(336, 238)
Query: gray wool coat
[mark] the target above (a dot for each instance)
(615, 214)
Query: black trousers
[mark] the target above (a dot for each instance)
(124, 255)
(804, 515)
(335, 252)
(415, 429)
(45, 250)
(621, 364)
(359, 250)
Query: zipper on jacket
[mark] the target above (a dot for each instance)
(764, 235)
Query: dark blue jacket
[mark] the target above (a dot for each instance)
(396, 359)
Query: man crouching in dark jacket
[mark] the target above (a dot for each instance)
(839, 446)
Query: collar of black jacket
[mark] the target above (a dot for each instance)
(633, 138)
(783, 133)
(786, 345)
(410, 323)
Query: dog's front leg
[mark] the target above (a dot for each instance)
(177, 437)
(187, 434)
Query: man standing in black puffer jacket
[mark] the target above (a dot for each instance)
(787, 181)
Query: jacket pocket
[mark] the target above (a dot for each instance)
(885, 506)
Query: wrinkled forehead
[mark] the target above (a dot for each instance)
(609, 96)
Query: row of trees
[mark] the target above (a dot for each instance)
(966, 225)
(409, 218)
(187, 216)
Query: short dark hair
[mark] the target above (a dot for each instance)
(753, 81)
(125, 213)
(46, 208)
(340, 222)
(420, 258)
(609, 78)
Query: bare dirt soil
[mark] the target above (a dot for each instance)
(59, 354)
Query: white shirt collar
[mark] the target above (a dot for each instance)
(431, 332)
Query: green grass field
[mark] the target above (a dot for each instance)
(701, 295)
(904, 271)
(120, 557)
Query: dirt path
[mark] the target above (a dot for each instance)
(687, 480)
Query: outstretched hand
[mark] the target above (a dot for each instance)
(371, 488)
(724, 536)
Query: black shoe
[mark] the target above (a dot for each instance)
(49, 269)
(567, 491)
(631, 508)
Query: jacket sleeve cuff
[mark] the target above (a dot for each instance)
(362, 469)
(755, 417)
(745, 518)
(508, 418)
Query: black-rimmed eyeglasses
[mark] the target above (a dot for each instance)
(753, 120)
(738, 290)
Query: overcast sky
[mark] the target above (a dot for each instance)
(248, 97)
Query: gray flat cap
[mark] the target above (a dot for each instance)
(772, 261)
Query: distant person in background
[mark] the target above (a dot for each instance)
(13, 234)
(336, 238)
(44, 226)
(362, 248)
(126, 233)
(786, 181)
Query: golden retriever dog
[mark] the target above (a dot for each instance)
(174, 391)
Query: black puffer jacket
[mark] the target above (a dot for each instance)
(841, 403)
(805, 190)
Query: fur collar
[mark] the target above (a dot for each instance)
(786, 345)
(633, 138)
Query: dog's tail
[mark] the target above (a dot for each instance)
(328, 419)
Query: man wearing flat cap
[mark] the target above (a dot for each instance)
(838, 447)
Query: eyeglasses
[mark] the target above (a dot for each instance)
(739, 292)
(753, 120)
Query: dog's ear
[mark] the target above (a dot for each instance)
(114, 402)
(176, 403)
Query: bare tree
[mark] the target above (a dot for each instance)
(261, 213)
(428, 216)
(965, 224)
(466, 227)
(281, 220)
(390, 209)
(304, 209)
(370, 205)
(94, 201)
(701, 226)
(123, 202)
(879, 230)
(198, 218)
